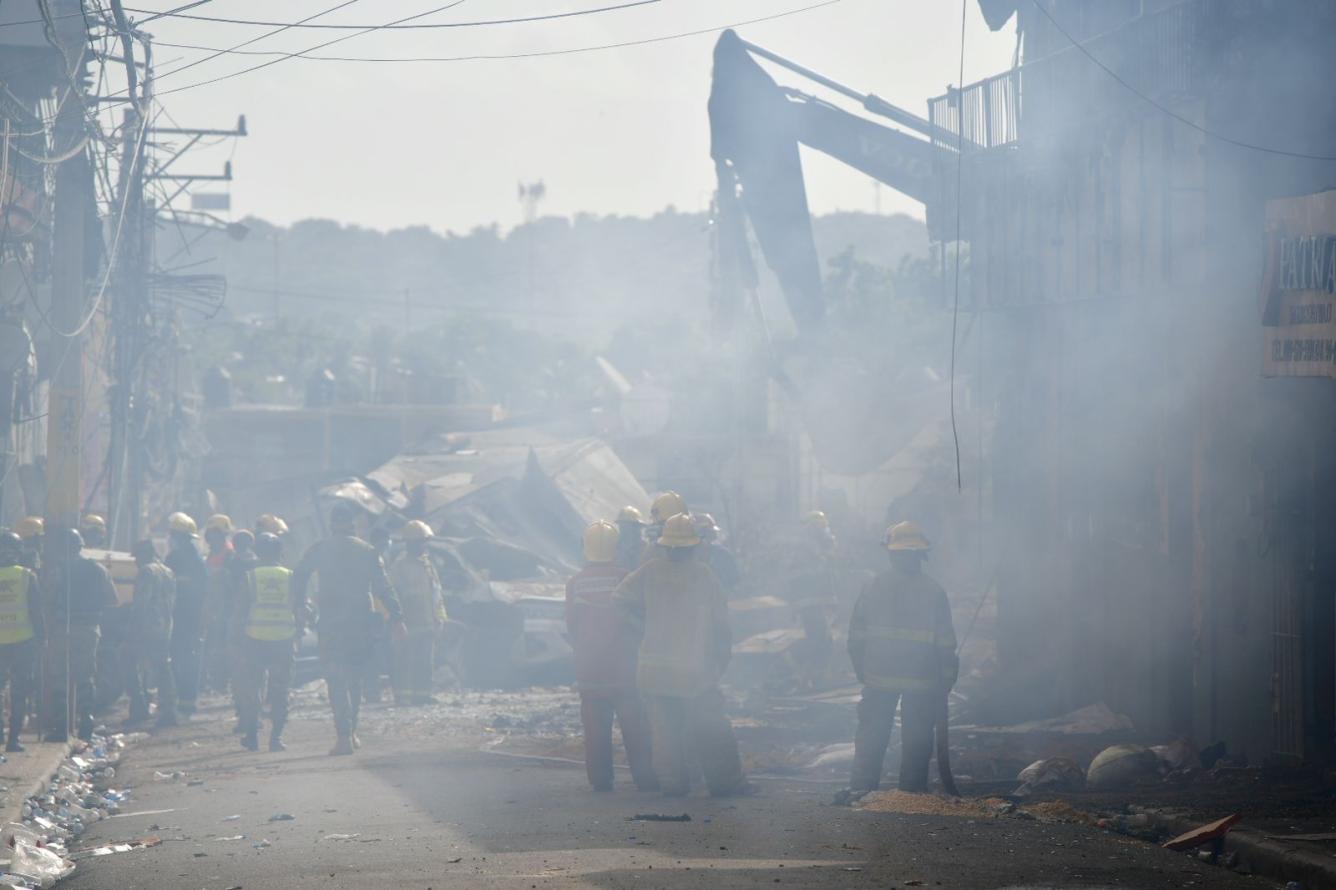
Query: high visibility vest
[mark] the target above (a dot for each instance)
(270, 618)
(15, 614)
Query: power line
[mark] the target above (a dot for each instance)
(1167, 111)
(421, 26)
(955, 304)
(314, 48)
(502, 56)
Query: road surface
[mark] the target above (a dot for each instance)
(421, 806)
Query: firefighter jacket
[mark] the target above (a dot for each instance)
(418, 586)
(153, 604)
(601, 634)
(683, 613)
(350, 578)
(900, 635)
(191, 579)
(20, 615)
(273, 610)
(76, 591)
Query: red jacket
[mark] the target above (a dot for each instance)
(605, 643)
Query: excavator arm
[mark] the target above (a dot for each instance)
(756, 127)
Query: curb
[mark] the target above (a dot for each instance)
(47, 770)
(1263, 856)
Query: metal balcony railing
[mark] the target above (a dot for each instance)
(1153, 53)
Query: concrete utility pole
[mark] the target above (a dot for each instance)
(69, 299)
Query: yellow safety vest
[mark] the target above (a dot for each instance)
(15, 616)
(270, 618)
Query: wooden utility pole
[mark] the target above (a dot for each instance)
(69, 308)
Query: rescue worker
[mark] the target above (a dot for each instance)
(605, 663)
(217, 538)
(238, 566)
(20, 631)
(903, 650)
(811, 586)
(76, 591)
(31, 530)
(274, 525)
(149, 638)
(380, 660)
(718, 557)
(678, 604)
(271, 615)
(187, 565)
(665, 506)
(351, 577)
(94, 530)
(630, 538)
(422, 599)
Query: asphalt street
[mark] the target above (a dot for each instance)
(422, 805)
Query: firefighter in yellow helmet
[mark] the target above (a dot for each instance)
(605, 663)
(148, 640)
(422, 599)
(20, 631)
(218, 538)
(183, 558)
(76, 592)
(31, 530)
(94, 530)
(685, 645)
(665, 506)
(903, 648)
(269, 621)
(630, 537)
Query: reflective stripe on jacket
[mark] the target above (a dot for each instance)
(270, 618)
(900, 636)
(16, 622)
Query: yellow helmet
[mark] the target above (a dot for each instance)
(417, 530)
(600, 542)
(30, 527)
(93, 521)
(218, 522)
(705, 524)
(906, 536)
(817, 518)
(271, 524)
(679, 531)
(667, 505)
(631, 514)
(182, 524)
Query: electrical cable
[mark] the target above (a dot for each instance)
(1169, 112)
(500, 56)
(955, 304)
(423, 26)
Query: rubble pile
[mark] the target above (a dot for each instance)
(78, 795)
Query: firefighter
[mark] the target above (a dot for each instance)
(30, 530)
(665, 506)
(218, 540)
(236, 584)
(422, 599)
(605, 663)
(94, 530)
(680, 608)
(718, 557)
(149, 637)
(270, 618)
(903, 649)
(380, 660)
(187, 565)
(351, 578)
(76, 591)
(20, 631)
(630, 538)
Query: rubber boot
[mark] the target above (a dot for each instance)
(276, 743)
(250, 742)
(343, 747)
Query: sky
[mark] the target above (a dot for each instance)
(445, 144)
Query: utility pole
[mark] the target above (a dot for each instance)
(72, 193)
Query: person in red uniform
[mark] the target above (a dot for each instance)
(605, 647)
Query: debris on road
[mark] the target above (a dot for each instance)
(912, 804)
(1122, 765)
(1051, 774)
(1205, 834)
(282, 817)
(659, 817)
